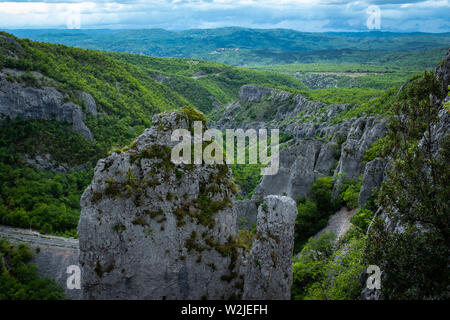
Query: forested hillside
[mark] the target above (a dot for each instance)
(346, 126)
(255, 46)
(126, 95)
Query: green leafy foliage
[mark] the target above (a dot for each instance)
(313, 214)
(38, 199)
(205, 83)
(351, 194)
(415, 197)
(243, 46)
(362, 218)
(19, 280)
(329, 269)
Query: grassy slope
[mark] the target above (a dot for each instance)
(203, 83)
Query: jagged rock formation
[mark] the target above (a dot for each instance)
(319, 147)
(299, 168)
(40, 100)
(285, 111)
(374, 175)
(11, 43)
(247, 211)
(308, 159)
(53, 262)
(362, 133)
(150, 229)
(45, 162)
(269, 274)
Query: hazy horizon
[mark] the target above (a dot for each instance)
(429, 16)
(227, 27)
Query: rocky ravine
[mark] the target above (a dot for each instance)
(150, 229)
(319, 146)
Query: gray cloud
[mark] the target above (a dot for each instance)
(316, 15)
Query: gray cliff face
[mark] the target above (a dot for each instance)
(150, 229)
(249, 93)
(441, 129)
(443, 71)
(246, 213)
(362, 133)
(299, 168)
(269, 274)
(319, 146)
(89, 103)
(307, 159)
(53, 262)
(284, 113)
(374, 175)
(43, 102)
(8, 42)
(45, 162)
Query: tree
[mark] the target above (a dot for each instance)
(415, 198)
(19, 280)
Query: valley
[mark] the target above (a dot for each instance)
(82, 130)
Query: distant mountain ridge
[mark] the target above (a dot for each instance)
(204, 43)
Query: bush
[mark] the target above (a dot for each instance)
(313, 215)
(321, 193)
(329, 270)
(309, 268)
(19, 280)
(362, 219)
(350, 194)
(340, 280)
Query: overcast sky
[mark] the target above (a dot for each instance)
(303, 15)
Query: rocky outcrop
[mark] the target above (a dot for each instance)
(11, 47)
(54, 262)
(310, 158)
(362, 134)
(36, 101)
(300, 165)
(89, 104)
(291, 113)
(45, 162)
(249, 93)
(269, 274)
(150, 229)
(374, 174)
(246, 213)
(320, 146)
(443, 71)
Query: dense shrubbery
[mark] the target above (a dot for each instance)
(329, 269)
(416, 196)
(39, 199)
(19, 280)
(362, 218)
(313, 214)
(350, 195)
